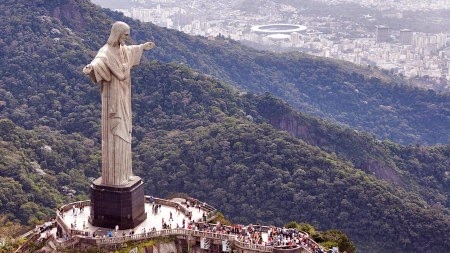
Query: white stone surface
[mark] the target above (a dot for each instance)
(111, 69)
(154, 220)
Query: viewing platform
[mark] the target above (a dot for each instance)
(189, 226)
(73, 218)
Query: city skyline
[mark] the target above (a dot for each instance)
(400, 50)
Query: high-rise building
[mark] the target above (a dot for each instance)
(441, 40)
(406, 37)
(383, 34)
(295, 38)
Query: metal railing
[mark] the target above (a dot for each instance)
(78, 235)
(255, 247)
(157, 234)
(24, 247)
(166, 202)
(67, 243)
(212, 212)
(103, 241)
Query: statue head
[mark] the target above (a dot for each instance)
(118, 29)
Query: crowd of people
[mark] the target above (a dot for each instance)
(265, 236)
(290, 236)
(252, 234)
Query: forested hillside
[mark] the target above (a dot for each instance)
(417, 168)
(363, 98)
(196, 134)
(40, 169)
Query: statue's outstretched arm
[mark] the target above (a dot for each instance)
(149, 45)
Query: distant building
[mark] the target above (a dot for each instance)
(144, 15)
(441, 40)
(295, 38)
(406, 37)
(383, 34)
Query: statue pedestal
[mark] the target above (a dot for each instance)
(121, 206)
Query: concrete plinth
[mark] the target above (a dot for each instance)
(117, 205)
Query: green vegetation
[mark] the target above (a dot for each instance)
(327, 239)
(8, 231)
(363, 98)
(221, 219)
(196, 134)
(417, 168)
(37, 165)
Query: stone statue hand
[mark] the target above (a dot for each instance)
(87, 69)
(149, 45)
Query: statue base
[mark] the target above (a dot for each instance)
(122, 205)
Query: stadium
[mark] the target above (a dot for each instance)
(278, 28)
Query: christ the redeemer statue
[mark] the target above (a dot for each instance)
(111, 69)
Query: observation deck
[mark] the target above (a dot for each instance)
(189, 225)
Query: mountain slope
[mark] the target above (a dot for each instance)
(210, 148)
(196, 134)
(38, 167)
(415, 168)
(250, 170)
(363, 98)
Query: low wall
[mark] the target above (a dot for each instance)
(79, 236)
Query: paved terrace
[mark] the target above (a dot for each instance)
(73, 218)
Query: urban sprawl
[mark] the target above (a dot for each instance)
(404, 52)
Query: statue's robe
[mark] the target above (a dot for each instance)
(116, 110)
